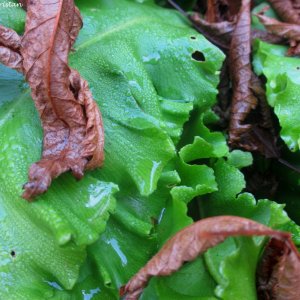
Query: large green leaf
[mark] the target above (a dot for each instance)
(138, 61)
(32, 235)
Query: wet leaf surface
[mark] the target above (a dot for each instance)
(155, 80)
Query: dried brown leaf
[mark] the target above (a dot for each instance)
(278, 275)
(267, 37)
(72, 124)
(243, 100)
(294, 49)
(76, 25)
(284, 30)
(288, 10)
(222, 10)
(219, 33)
(191, 242)
(212, 12)
(246, 133)
(94, 139)
(10, 44)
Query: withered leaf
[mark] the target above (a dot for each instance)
(219, 33)
(284, 30)
(94, 139)
(267, 37)
(10, 44)
(189, 243)
(212, 12)
(288, 10)
(278, 276)
(243, 100)
(222, 10)
(247, 89)
(72, 124)
(76, 25)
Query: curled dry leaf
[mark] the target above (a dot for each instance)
(288, 10)
(267, 37)
(286, 30)
(278, 275)
(10, 44)
(222, 10)
(189, 243)
(243, 100)
(247, 88)
(212, 13)
(72, 124)
(219, 33)
(76, 25)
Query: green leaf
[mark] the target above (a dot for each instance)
(283, 88)
(240, 159)
(138, 61)
(12, 15)
(203, 143)
(233, 263)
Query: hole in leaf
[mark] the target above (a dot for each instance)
(193, 37)
(198, 56)
(13, 253)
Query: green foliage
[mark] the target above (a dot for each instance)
(283, 88)
(160, 154)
